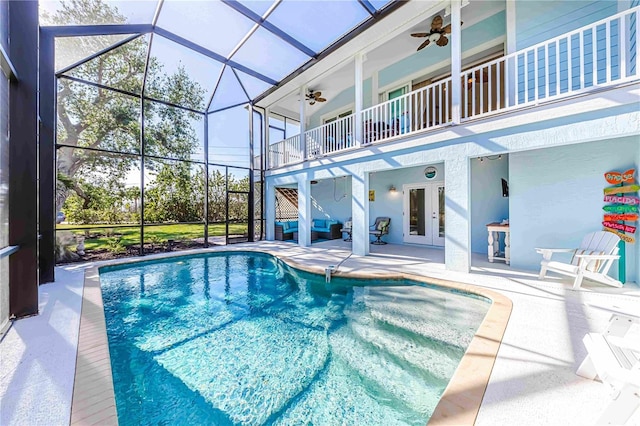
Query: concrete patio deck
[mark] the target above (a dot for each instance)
(533, 380)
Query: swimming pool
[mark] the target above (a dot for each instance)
(241, 338)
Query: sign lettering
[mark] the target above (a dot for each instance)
(632, 201)
(619, 226)
(617, 177)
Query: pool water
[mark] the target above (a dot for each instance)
(241, 338)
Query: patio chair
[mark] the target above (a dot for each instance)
(348, 229)
(614, 358)
(592, 260)
(380, 228)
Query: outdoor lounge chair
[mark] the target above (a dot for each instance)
(615, 359)
(348, 229)
(380, 228)
(592, 260)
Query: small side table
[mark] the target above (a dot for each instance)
(493, 249)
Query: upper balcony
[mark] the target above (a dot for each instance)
(600, 55)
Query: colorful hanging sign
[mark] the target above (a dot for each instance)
(619, 226)
(628, 217)
(621, 189)
(620, 209)
(624, 209)
(624, 237)
(616, 178)
(632, 201)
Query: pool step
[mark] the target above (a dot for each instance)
(431, 359)
(338, 397)
(383, 375)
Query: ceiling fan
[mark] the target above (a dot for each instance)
(437, 34)
(314, 97)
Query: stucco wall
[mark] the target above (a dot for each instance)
(556, 197)
(390, 204)
(487, 203)
(570, 123)
(331, 199)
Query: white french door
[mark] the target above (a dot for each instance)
(423, 213)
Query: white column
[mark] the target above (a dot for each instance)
(511, 25)
(360, 213)
(304, 211)
(303, 122)
(270, 209)
(359, 59)
(374, 88)
(457, 242)
(456, 61)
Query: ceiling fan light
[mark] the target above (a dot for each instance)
(435, 37)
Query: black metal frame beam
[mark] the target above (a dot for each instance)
(7, 67)
(368, 7)
(95, 30)
(23, 158)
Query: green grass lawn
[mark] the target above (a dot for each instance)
(101, 236)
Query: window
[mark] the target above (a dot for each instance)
(336, 117)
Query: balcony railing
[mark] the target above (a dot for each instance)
(285, 152)
(421, 109)
(599, 55)
(330, 137)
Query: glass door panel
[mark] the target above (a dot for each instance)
(417, 212)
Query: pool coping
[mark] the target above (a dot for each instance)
(93, 398)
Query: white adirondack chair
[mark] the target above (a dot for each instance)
(615, 359)
(592, 260)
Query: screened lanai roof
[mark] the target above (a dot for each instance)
(234, 50)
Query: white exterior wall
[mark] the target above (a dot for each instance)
(605, 116)
(556, 197)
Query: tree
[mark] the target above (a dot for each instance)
(101, 119)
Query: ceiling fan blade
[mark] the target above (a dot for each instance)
(424, 44)
(419, 34)
(312, 102)
(442, 41)
(317, 94)
(321, 100)
(436, 24)
(447, 29)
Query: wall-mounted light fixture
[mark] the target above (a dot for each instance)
(392, 189)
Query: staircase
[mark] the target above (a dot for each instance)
(286, 204)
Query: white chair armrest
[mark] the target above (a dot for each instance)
(543, 250)
(547, 253)
(598, 256)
